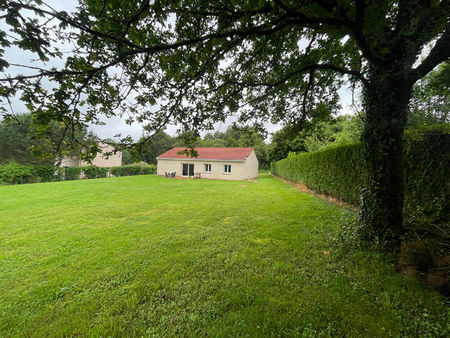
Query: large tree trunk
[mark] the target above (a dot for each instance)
(386, 99)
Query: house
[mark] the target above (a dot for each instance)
(216, 163)
(100, 160)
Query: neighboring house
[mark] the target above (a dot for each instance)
(216, 163)
(114, 160)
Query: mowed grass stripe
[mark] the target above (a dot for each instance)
(150, 256)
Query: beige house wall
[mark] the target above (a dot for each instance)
(240, 170)
(70, 162)
(251, 166)
(114, 160)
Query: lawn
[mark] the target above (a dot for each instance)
(150, 256)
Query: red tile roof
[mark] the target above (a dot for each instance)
(211, 153)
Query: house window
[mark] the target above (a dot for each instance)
(207, 168)
(227, 169)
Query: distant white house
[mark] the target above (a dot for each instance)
(237, 163)
(100, 160)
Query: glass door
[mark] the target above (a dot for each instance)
(188, 169)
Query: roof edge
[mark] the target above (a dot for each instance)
(199, 159)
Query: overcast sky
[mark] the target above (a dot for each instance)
(116, 125)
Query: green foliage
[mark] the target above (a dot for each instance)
(24, 140)
(102, 172)
(315, 135)
(335, 171)
(430, 103)
(148, 150)
(73, 173)
(93, 171)
(15, 173)
(427, 184)
(59, 174)
(134, 169)
(46, 173)
(18, 139)
(340, 131)
(338, 172)
(90, 171)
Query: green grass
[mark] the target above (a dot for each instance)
(149, 256)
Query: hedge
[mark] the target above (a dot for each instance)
(335, 171)
(15, 173)
(73, 173)
(92, 171)
(339, 172)
(45, 173)
(134, 169)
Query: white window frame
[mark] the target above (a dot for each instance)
(225, 169)
(206, 167)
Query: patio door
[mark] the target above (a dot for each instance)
(188, 169)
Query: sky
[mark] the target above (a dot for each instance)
(116, 125)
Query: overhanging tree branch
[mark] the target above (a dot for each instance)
(439, 54)
(312, 67)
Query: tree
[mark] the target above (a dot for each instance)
(344, 129)
(194, 63)
(17, 141)
(23, 142)
(430, 102)
(158, 144)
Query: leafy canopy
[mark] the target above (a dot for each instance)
(193, 63)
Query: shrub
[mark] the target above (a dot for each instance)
(59, 174)
(15, 173)
(46, 173)
(90, 171)
(116, 171)
(134, 169)
(73, 173)
(102, 172)
(131, 170)
(147, 169)
(152, 169)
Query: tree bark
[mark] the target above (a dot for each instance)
(386, 98)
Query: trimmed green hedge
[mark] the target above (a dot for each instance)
(134, 169)
(334, 171)
(46, 173)
(73, 173)
(15, 173)
(339, 172)
(92, 171)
